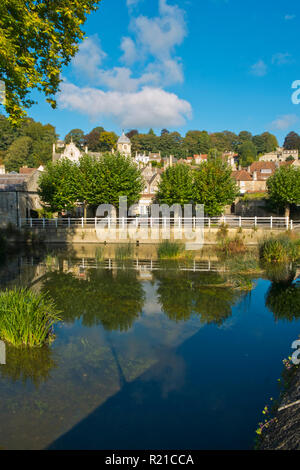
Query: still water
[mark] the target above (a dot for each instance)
(149, 354)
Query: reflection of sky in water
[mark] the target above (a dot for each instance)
(162, 382)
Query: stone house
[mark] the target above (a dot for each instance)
(279, 155)
(19, 195)
(151, 179)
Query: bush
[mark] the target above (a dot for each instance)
(233, 246)
(26, 318)
(279, 250)
(169, 249)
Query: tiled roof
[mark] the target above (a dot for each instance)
(261, 165)
(241, 175)
(27, 171)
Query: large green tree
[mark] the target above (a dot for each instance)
(292, 141)
(247, 153)
(284, 187)
(58, 185)
(37, 38)
(91, 182)
(176, 186)
(214, 187)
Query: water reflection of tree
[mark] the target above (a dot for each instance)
(283, 300)
(113, 299)
(28, 364)
(182, 294)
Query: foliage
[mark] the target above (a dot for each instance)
(169, 249)
(247, 153)
(279, 250)
(292, 141)
(76, 136)
(233, 245)
(28, 144)
(107, 141)
(124, 252)
(92, 182)
(37, 38)
(26, 318)
(176, 186)
(58, 185)
(214, 187)
(284, 187)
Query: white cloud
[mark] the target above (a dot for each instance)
(130, 54)
(131, 3)
(285, 121)
(133, 92)
(89, 57)
(149, 107)
(259, 69)
(289, 17)
(282, 58)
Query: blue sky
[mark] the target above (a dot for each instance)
(195, 64)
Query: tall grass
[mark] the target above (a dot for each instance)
(169, 249)
(26, 318)
(279, 250)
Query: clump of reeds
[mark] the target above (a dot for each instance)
(279, 250)
(26, 318)
(167, 250)
(124, 252)
(234, 245)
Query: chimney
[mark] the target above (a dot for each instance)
(171, 160)
(254, 175)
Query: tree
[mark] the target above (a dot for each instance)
(292, 141)
(214, 187)
(92, 182)
(92, 140)
(37, 38)
(247, 153)
(77, 136)
(197, 142)
(176, 186)
(119, 177)
(107, 141)
(224, 141)
(265, 143)
(18, 154)
(284, 187)
(58, 185)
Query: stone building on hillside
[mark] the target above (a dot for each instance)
(124, 145)
(279, 155)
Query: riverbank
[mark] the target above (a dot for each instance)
(206, 236)
(283, 431)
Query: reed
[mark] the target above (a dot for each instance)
(167, 250)
(279, 250)
(26, 318)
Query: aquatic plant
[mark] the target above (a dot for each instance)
(233, 245)
(279, 250)
(26, 318)
(124, 252)
(169, 249)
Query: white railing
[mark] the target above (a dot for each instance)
(207, 222)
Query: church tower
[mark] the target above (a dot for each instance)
(124, 145)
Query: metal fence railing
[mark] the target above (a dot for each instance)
(207, 222)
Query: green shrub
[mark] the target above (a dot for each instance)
(26, 318)
(169, 249)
